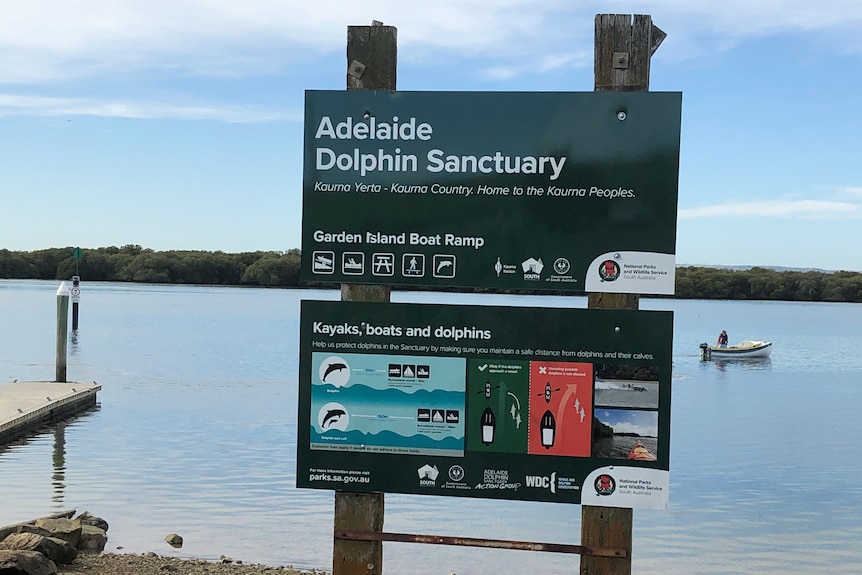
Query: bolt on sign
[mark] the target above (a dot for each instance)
(573, 191)
(469, 401)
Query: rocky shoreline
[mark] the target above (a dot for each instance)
(153, 564)
(64, 544)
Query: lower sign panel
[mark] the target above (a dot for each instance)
(537, 404)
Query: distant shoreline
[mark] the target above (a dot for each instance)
(135, 264)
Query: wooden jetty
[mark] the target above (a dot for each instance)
(26, 405)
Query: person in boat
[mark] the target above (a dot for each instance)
(722, 339)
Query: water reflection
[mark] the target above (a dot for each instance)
(741, 363)
(58, 450)
(58, 480)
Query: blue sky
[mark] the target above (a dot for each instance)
(177, 124)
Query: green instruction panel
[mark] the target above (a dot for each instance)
(537, 404)
(571, 191)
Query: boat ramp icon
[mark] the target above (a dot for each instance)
(323, 262)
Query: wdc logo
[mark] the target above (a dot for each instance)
(542, 481)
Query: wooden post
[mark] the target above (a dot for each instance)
(371, 65)
(62, 331)
(623, 47)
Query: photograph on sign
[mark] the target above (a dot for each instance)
(462, 400)
(539, 191)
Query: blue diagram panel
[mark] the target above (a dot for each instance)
(388, 404)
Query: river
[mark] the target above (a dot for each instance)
(195, 433)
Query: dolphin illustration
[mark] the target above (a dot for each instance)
(331, 416)
(444, 264)
(333, 367)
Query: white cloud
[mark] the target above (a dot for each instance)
(46, 40)
(43, 40)
(49, 107)
(799, 209)
(500, 72)
(747, 17)
(550, 62)
(544, 63)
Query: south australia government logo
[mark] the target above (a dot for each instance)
(609, 270)
(605, 484)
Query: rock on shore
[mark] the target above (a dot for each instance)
(37, 547)
(62, 543)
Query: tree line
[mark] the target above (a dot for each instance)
(133, 263)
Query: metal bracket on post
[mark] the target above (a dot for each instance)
(356, 69)
(658, 36)
(476, 542)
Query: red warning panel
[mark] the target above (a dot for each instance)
(561, 408)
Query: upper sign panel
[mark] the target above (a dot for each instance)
(530, 190)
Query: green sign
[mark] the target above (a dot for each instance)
(77, 254)
(539, 404)
(542, 191)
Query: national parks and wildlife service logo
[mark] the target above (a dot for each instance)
(609, 270)
(605, 484)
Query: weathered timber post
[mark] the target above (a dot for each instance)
(623, 47)
(371, 65)
(62, 332)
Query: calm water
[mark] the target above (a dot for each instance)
(196, 431)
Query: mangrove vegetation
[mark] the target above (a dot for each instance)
(133, 263)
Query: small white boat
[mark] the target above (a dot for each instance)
(744, 349)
